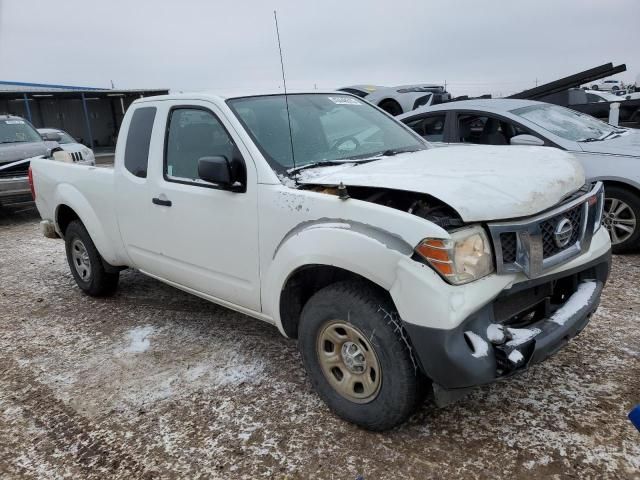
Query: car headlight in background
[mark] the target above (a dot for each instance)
(88, 156)
(463, 258)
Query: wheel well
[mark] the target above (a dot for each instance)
(391, 106)
(306, 281)
(64, 216)
(626, 186)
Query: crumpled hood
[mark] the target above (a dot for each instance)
(627, 144)
(480, 182)
(11, 152)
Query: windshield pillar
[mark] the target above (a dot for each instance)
(27, 108)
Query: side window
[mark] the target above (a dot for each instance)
(430, 128)
(486, 130)
(136, 153)
(194, 133)
(591, 98)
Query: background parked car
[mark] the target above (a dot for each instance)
(610, 85)
(607, 153)
(398, 100)
(361, 90)
(598, 96)
(19, 141)
(78, 151)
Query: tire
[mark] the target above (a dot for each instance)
(86, 264)
(615, 88)
(621, 212)
(391, 107)
(368, 318)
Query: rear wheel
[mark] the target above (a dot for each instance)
(621, 217)
(358, 357)
(86, 264)
(391, 107)
(594, 87)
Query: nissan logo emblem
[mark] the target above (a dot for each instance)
(563, 232)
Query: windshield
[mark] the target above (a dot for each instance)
(17, 131)
(566, 123)
(65, 138)
(324, 128)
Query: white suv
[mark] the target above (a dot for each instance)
(610, 85)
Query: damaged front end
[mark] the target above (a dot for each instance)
(421, 205)
(523, 326)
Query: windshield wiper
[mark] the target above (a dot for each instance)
(357, 159)
(395, 151)
(591, 139)
(617, 133)
(328, 163)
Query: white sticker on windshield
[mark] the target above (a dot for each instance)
(345, 101)
(14, 122)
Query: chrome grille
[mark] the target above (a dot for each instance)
(536, 244)
(509, 241)
(76, 156)
(548, 227)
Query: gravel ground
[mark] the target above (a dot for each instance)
(154, 383)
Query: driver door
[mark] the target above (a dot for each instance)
(206, 237)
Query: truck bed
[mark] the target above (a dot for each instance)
(91, 190)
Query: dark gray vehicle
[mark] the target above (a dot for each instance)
(19, 141)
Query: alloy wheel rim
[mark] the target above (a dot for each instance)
(80, 258)
(349, 362)
(619, 219)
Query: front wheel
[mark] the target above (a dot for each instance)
(86, 263)
(621, 217)
(358, 357)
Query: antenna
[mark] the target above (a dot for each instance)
(284, 83)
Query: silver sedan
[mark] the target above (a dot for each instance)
(607, 153)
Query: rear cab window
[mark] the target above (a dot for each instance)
(136, 154)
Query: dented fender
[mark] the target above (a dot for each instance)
(374, 255)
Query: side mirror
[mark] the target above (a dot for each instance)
(216, 170)
(526, 139)
(51, 137)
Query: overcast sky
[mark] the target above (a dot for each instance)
(493, 46)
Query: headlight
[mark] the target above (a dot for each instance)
(88, 155)
(463, 258)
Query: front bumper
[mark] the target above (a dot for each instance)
(465, 356)
(14, 190)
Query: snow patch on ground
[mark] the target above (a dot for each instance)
(576, 301)
(139, 339)
(480, 346)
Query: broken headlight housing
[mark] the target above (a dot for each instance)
(463, 258)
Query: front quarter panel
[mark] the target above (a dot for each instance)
(301, 228)
(615, 168)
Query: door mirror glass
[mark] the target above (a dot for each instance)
(526, 139)
(215, 170)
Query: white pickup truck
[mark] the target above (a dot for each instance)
(396, 265)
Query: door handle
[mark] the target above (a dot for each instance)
(160, 201)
